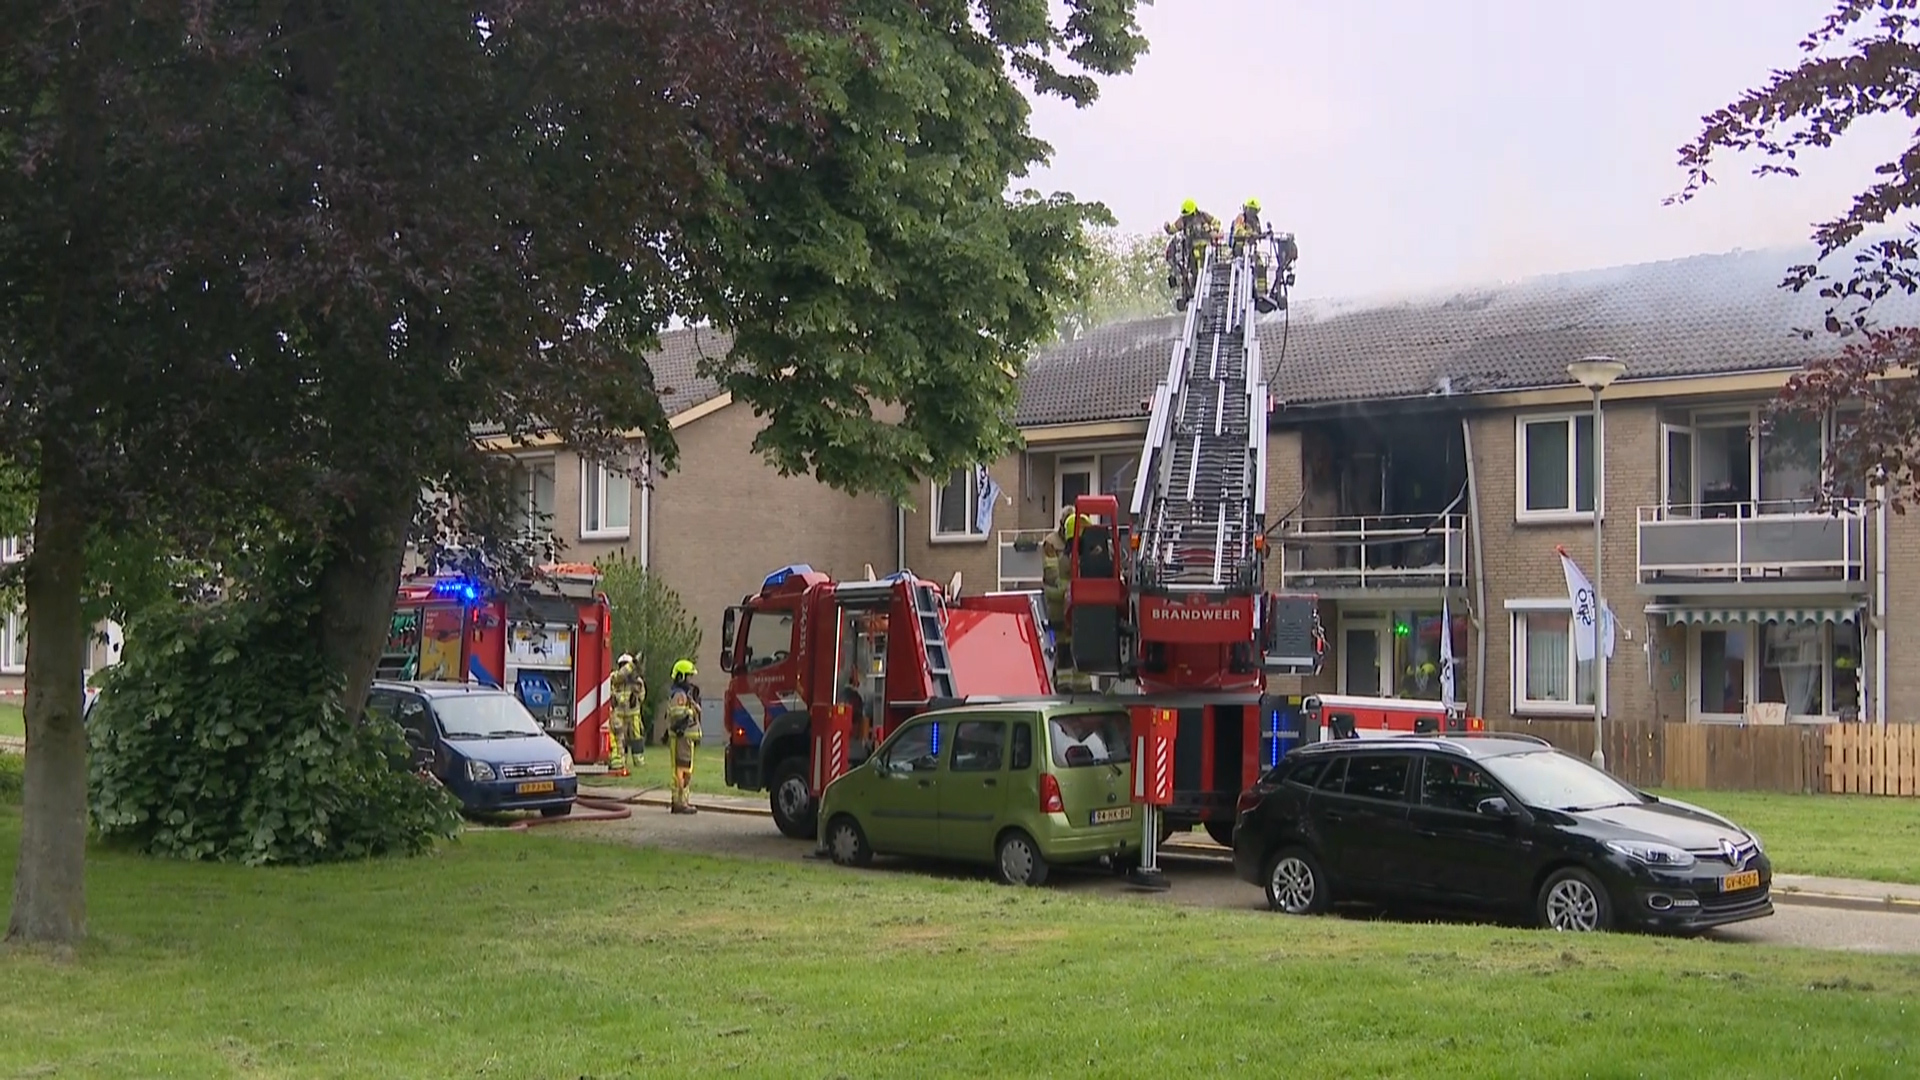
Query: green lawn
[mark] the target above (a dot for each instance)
(11, 722)
(1858, 836)
(709, 773)
(528, 955)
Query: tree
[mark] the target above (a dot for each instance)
(1123, 277)
(651, 622)
(1862, 61)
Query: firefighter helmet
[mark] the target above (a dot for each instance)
(625, 658)
(1253, 205)
(1189, 207)
(683, 668)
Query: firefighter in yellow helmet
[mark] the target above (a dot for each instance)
(683, 733)
(1246, 233)
(1191, 234)
(1056, 572)
(629, 719)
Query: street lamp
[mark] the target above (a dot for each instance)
(1596, 373)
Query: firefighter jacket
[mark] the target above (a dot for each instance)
(683, 711)
(1247, 225)
(1198, 227)
(629, 689)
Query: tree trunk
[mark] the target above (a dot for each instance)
(49, 884)
(358, 585)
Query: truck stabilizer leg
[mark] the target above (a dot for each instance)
(1147, 876)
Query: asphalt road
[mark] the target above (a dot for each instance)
(1209, 882)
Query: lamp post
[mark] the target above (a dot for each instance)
(1596, 373)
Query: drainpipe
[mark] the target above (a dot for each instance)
(646, 511)
(1880, 609)
(1479, 576)
(899, 537)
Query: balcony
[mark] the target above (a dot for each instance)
(1382, 556)
(1741, 544)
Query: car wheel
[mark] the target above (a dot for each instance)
(1295, 883)
(847, 842)
(1573, 899)
(1019, 860)
(794, 811)
(556, 811)
(1221, 832)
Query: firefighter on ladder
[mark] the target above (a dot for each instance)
(683, 733)
(1245, 235)
(1055, 575)
(628, 732)
(1192, 233)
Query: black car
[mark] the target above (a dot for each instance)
(1502, 823)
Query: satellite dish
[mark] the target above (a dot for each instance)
(953, 586)
(870, 576)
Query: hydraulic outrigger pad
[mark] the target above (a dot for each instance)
(1147, 875)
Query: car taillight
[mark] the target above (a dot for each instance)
(1249, 799)
(1050, 800)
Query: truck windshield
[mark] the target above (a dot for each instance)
(484, 716)
(1083, 739)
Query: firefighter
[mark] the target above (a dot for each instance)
(683, 729)
(1246, 233)
(1190, 233)
(1055, 574)
(629, 716)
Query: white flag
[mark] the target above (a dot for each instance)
(1586, 609)
(989, 492)
(1606, 627)
(1446, 655)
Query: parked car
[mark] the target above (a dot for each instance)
(485, 747)
(1502, 823)
(1021, 786)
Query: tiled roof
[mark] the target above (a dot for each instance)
(1704, 315)
(676, 375)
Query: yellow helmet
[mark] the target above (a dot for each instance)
(1253, 204)
(1070, 524)
(1189, 206)
(683, 668)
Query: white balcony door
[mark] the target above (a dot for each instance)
(1678, 494)
(1365, 653)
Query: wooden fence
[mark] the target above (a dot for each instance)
(1809, 758)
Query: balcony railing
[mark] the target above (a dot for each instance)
(1730, 543)
(1417, 551)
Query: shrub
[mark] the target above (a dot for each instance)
(12, 778)
(219, 736)
(649, 621)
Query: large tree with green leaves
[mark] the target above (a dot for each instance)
(278, 258)
(1861, 62)
(1124, 276)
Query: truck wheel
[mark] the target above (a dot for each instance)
(794, 811)
(1222, 832)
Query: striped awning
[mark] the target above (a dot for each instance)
(1709, 616)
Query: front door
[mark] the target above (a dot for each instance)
(973, 790)
(904, 814)
(1461, 851)
(1365, 655)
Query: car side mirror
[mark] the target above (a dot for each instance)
(1496, 806)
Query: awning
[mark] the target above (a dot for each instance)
(1709, 616)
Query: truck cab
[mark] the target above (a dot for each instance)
(889, 648)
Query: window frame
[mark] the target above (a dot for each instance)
(953, 751)
(1720, 418)
(598, 474)
(525, 471)
(12, 549)
(884, 757)
(1755, 670)
(1522, 705)
(1571, 419)
(973, 533)
(13, 645)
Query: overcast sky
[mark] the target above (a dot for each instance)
(1414, 145)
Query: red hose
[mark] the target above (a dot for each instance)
(597, 809)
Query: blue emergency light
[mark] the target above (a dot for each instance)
(780, 576)
(466, 590)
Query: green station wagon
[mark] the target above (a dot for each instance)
(1022, 786)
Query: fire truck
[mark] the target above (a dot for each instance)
(1339, 716)
(549, 642)
(881, 650)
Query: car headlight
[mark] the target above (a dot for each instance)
(1663, 856)
(566, 763)
(479, 770)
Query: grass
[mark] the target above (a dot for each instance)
(523, 955)
(1872, 837)
(12, 722)
(709, 773)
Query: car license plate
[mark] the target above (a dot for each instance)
(1113, 814)
(1749, 879)
(534, 787)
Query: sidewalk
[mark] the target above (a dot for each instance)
(1792, 889)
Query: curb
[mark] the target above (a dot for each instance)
(1844, 902)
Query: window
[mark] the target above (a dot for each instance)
(1022, 747)
(977, 744)
(915, 749)
(1378, 776)
(1334, 778)
(533, 484)
(12, 549)
(1307, 773)
(956, 506)
(1811, 668)
(1747, 461)
(1088, 739)
(1454, 785)
(1556, 466)
(1074, 477)
(13, 644)
(769, 639)
(1545, 674)
(606, 501)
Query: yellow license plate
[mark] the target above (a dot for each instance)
(1109, 816)
(1749, 879)
(534, 787)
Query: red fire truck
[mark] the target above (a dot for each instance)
(886, 648)
(1338, 716)
(550, 643)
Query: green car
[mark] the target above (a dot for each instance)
(1022, 786)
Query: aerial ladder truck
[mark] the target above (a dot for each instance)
(1183, 610)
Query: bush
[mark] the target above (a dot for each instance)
(219, 736)
(12, 778)
(649, 621)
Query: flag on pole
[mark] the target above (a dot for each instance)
(1587, 616)
(1446, 655)
(989, 491)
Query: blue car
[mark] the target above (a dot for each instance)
(486, 748)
